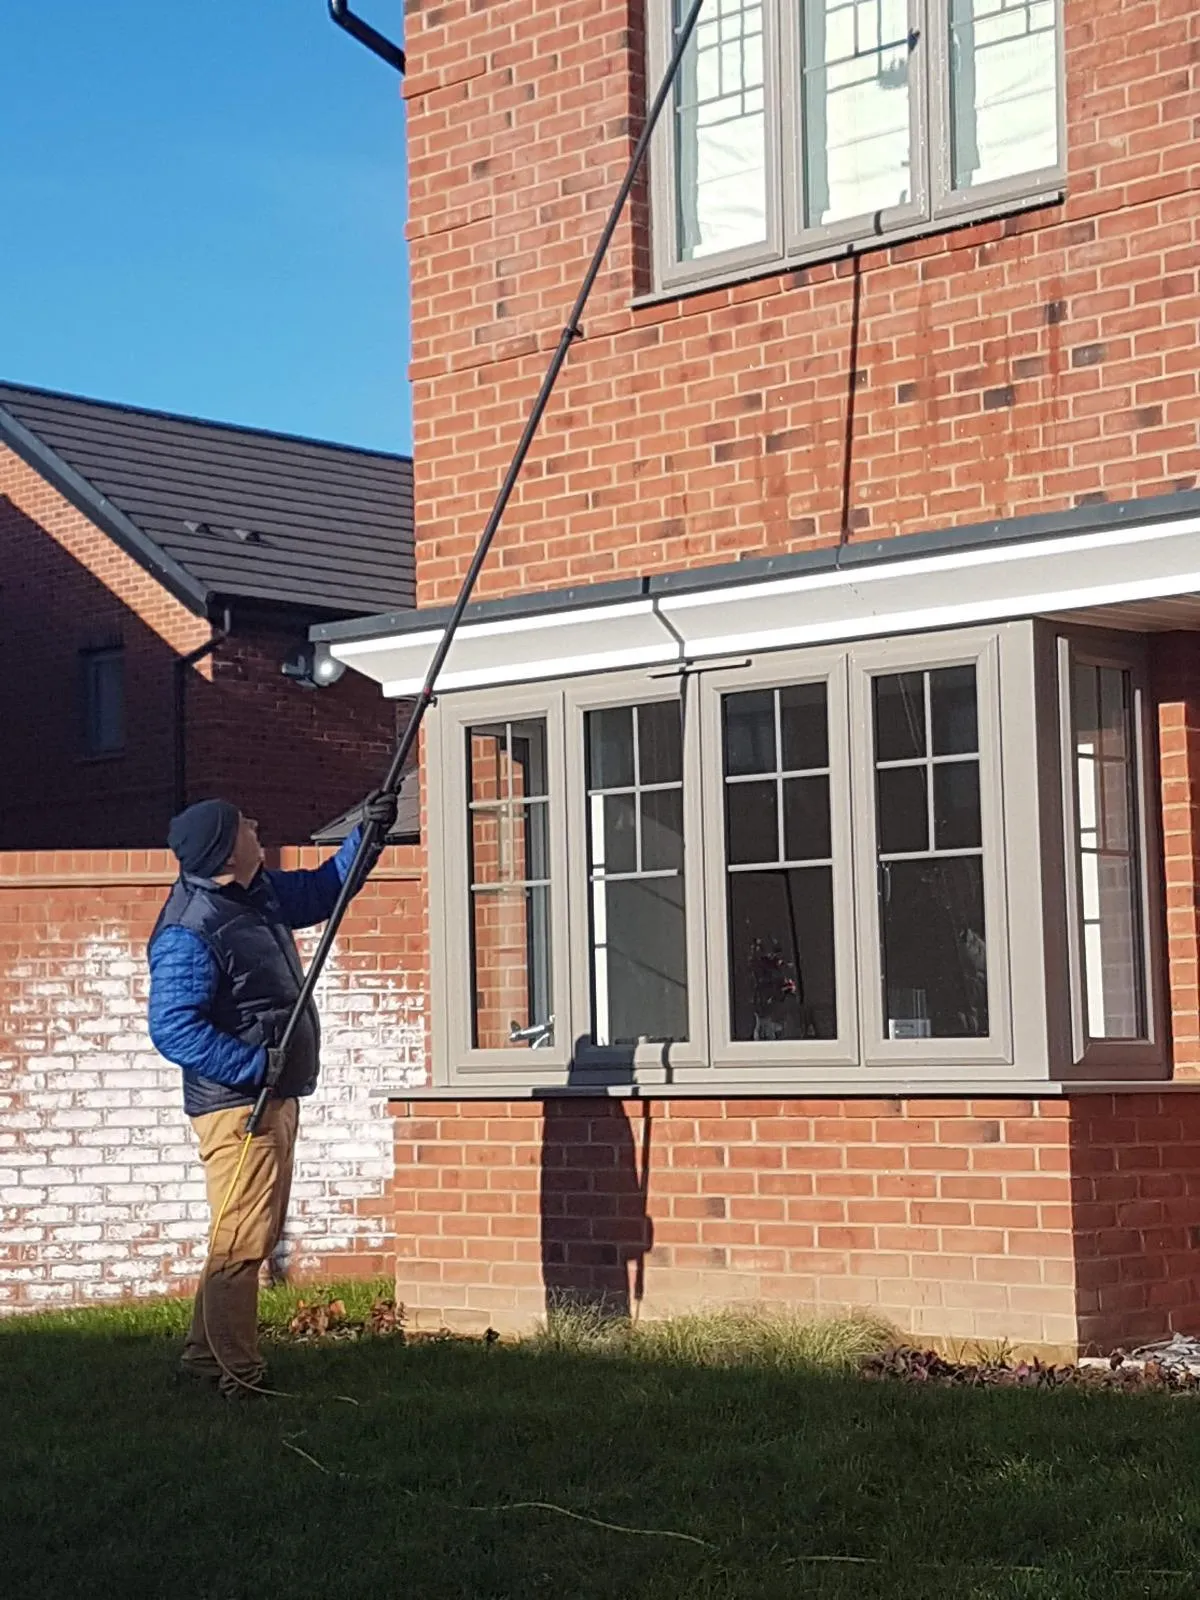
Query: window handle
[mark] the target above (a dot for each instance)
(535, 1035)
(914, 38)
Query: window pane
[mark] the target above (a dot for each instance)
(954, 713)
(1004, 89)
(900, 717)
(638, 955)
(660, 742)
(751, 822)
(934, 948)
(804, 726)
(639, 961)
(806, 834)
(511, 961)
(662, 830)
(509, 866)
(104, 701)
(610, 748)
(749, 722)
(903, 810)
(720, 132)
(956, 820)
(614, 833)
(857, 120)
(781, 959)
(1110, 889)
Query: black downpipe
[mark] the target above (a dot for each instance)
(366, 34)
(572, 331)
(182, 667)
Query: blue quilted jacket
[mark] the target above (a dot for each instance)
(224, 973)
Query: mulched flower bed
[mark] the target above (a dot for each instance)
(907, 1364)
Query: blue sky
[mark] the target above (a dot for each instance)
(202, 210)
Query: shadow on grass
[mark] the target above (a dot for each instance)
(115, 1484)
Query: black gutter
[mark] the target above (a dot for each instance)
(182, 667)
(86, 498)
(828, 558)
(367, 35)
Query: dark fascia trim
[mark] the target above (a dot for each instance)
(107, 517)
(521, 605)
(828, 558)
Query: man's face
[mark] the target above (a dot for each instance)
(247, 854)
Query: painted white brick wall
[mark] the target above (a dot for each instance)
(101, 1193)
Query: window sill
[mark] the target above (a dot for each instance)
(827, 253)
(872, 1089)
(101, 757)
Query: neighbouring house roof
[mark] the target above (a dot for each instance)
(217, 512)
(1134, 564)
(406, 829)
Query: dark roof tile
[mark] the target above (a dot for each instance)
(331, 526)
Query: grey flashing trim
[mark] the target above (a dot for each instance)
(873, 1089)
(541, 604)
(827, 558)
(875, 552)
(88, 500)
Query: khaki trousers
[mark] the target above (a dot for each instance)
(223, 1338)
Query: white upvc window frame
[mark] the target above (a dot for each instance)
(449, 899)
(935, 204)
(780, 1061)
(650, 1063)
(980, 650)
(1091, 1055)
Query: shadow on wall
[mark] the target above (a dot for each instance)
(90, 766)
(596, 1227)
(1135, 1195)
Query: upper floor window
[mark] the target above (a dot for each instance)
(802, 126)
(103, 674)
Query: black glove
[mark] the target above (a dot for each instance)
(276, 1061)
(380, 807)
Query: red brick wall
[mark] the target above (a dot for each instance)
(100, 1191)
(1176, 663)
(1051, 1223)
(65, 586)
(1015, 367)
(294, 758)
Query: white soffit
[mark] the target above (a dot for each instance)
(1111, 567)
(518, 650)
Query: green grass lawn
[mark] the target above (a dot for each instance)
(798, 1481)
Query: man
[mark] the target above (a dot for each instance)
(224, 975)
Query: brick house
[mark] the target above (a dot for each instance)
(157, 573)
(812, 794)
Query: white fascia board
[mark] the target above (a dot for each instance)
(518, 650)
(916, 594)
(940, 591)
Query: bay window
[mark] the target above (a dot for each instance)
(801, 868)
(802, 126)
